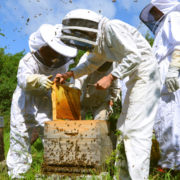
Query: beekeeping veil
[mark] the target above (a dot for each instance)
(154, 12)
(80, 29)
(50, 35)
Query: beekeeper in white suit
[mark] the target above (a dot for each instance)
(31, 103)
(164, 17)
(116, 41)
(98, 103)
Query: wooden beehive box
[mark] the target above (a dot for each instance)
(75, 146)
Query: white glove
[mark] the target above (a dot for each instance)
(45, 82)
(36, 81)
(171, 80)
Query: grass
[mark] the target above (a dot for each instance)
(37, 154)
(36, 149)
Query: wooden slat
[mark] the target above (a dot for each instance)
(76, 129)
(66, 103)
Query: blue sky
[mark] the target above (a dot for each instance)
(20, 18)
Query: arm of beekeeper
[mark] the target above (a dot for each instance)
(172, 23)
(91, 64)
(78, 83)
(122, 46)
(28, 77)
(115, 87)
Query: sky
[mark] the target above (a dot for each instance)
(20, 18)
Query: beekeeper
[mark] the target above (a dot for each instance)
(164, 15)
(116, 41)
(99, 103)
(31, 102)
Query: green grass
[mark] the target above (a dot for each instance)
(37, 154)
(36, 149)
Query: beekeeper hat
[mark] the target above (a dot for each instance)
(50, 35)
(166, 6)
(80, 28)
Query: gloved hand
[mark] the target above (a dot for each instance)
(35, 81)
(45, 82)
(171, 80)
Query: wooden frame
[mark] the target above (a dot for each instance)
(65, 103)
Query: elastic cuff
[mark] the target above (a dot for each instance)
(117, 74)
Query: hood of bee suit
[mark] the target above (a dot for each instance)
(50, 35)
(166, 6)
(81, 29)
(154, 12)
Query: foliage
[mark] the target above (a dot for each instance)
(115, 115)
(37, 155)
(80, 53)
(1, 34)
(149, 38)
(8, 71)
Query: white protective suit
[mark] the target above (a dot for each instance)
(93, 100)
(123, 89)
(122, 43)
(167, 122)
(31, 107)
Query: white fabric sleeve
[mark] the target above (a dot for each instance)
(88, 66)
(171, 34)
(171, 29)
(27, 67)
(115, 87)
(78, 83)
(122, 45)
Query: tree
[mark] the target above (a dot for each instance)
(149, 38)
(1, 34)
(8, 70)
(80, 53)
